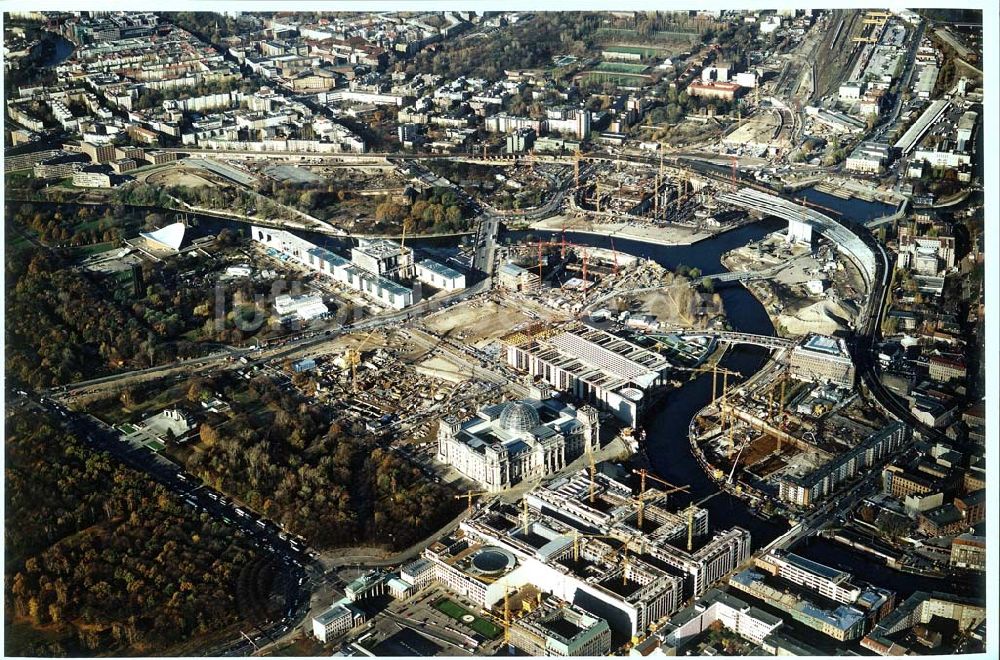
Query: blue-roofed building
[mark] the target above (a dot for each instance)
(815, 595)
(507, 443)
(418, 572)
(399, 588)
(305, 364)
(369, 282)
(823, 359)
(513, 277)
(827, 582)
(838, 621)
(439, 276)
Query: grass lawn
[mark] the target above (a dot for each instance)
(485, 628)
(624, 79)
(96, 248)
(451, 608)
(643, 51)
(621, 67)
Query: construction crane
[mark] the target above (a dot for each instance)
(690, 521)
(643, 473)
(732, 434)
(506, 620)
(593, 473)
(715, 370)
(576, 542)
(659, 182)
(354, 359)
(625, 560)
(470, 494)
(681, 191)
(539, 260)
(402, 241)
(876, 18)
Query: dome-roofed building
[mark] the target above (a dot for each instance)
(509, 442)
(519, 416)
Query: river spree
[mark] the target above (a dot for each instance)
(666, 425)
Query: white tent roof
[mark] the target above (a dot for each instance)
(171, 236)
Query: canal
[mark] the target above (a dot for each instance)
(666, 427)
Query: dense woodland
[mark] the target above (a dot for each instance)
(329, 482)
(72, 225)
(99, 559)
(434, 210)
(64, 324)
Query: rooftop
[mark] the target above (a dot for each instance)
(380, 249)
(440, 269)
(824, 344)
(815, 568)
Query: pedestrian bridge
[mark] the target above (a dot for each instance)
(767, 341)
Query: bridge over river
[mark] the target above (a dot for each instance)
(767, 341)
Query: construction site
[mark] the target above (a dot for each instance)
(625, 548)
(811, 290)
(656, 194)
(569, 280)
(791, 424)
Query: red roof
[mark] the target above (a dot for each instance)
(727, 86)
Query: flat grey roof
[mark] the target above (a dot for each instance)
(440, 269)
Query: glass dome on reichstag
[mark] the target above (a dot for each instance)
(519, 416)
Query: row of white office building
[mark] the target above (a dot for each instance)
(374, 268)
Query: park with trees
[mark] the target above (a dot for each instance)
(99, 560)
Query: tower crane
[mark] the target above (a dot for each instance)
(643, 473)
(470, 494)
(690, 520)
(576, 542)
(593, 472)
(506, 620)
(625, 560)
(402, 241)
(354, 358)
